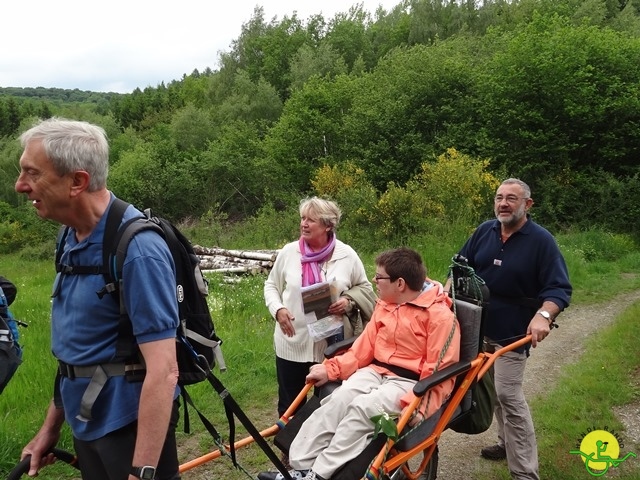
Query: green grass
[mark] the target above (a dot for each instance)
(606, 376)
(600, 265)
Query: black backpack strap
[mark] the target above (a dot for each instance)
(114, 219)
(9, 290)
(72, 269)
(217, 438)
(231, 407)
(110, 244)
(115, 258)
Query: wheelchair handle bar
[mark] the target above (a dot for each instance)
(23, 466)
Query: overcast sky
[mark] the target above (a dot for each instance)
(119, 45)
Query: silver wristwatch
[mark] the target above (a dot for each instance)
(545, 314)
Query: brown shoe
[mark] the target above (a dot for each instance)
(494, 452)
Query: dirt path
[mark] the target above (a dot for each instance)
(460, 454)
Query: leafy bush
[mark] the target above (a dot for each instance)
(272, 227)
(21, 227)
(457, 187)
(595, 245)
(11, 237)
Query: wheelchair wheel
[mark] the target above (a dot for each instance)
(23, 466)
(429, 473)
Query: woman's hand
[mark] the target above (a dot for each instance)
(285, 320)
(341, 307)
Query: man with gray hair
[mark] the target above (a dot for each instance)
(527, 276)
(130, 432)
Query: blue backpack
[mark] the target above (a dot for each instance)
(10, 351)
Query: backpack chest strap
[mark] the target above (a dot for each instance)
(80, 269)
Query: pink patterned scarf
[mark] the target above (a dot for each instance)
(311, 260)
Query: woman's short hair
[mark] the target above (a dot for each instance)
(326, 211)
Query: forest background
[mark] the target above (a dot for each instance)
(408, 118)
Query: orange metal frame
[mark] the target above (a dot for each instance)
(384, 462)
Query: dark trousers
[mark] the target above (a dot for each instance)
(291, 380)
(110, 457)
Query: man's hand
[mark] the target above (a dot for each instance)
(416, 418)
(46, 438)
(538, 328)
(318, 375)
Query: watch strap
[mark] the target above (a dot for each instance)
(144, 473)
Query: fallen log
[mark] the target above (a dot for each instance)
(265, 255)
(207, 261)
(239, 262)
(252, 270)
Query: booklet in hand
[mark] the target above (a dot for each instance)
(316, 300)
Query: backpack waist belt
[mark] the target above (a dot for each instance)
(400, 371)
(99, 374)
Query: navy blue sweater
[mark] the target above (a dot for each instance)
(521, 273)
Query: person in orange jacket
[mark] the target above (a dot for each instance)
(412, 333)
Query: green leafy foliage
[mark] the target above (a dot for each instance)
(544, 90)
(385, 424)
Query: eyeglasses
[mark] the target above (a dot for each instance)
(508, 198)
(377, 277)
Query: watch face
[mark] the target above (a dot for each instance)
(148, 473)
(545, 314)
(145, 473)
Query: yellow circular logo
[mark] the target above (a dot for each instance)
(600, 450)
(600, 443)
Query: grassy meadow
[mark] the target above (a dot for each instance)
(601, 266)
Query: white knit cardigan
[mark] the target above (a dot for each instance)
(282, 289)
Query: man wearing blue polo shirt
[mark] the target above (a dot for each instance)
(527, 276)
(128, 429)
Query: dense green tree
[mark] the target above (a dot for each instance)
(563, 97)
(323, 61)
(13, 116)
(389, 30)
(265, 50)
(403, 111)
(235, 173)
(192, 128)
(10, 152)
(309, 132)
(254, 102)
(136, 177)
(347, 35)
(543, 89)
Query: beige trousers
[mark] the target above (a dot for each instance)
(340, 429)
(515, 426)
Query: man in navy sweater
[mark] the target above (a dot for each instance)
(527, 276)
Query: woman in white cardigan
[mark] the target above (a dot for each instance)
(316, 257)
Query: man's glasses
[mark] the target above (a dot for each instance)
(508, 198)
(377, 277)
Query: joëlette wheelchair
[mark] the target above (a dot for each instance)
(385, 458)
